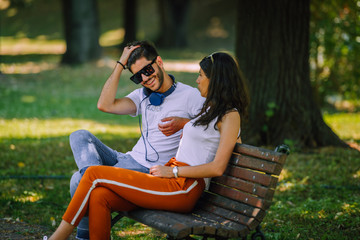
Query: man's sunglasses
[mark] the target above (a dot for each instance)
(147, 71)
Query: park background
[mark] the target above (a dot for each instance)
(43, 101)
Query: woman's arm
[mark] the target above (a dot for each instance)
(229, 129)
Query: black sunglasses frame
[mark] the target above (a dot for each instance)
(147, 71)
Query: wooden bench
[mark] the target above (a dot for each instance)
(235, 204)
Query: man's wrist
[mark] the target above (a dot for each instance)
(124, 67)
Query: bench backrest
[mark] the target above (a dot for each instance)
(245, 191)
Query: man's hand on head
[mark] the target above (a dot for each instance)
(126, 54)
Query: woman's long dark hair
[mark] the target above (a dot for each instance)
(227, 89)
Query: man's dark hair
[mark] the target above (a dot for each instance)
(146, 50)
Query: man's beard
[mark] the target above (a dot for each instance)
(160, 75)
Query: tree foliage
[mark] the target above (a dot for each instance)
(335, 48)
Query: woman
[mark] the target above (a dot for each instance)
(204, 151)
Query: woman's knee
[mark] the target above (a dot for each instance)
(98, 196)
(102, 197)
(94, 172)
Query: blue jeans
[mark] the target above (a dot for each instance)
(90, 151)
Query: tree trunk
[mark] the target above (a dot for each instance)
(272, 45)
(173, 20)
(129, 22)
(81, 31)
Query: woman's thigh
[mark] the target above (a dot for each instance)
(147, 191)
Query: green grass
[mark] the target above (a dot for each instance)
(42, 103)
(318, 195)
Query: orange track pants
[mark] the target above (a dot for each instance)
(103, 189)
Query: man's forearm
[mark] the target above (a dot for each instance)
(108, 93)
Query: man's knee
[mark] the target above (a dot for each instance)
(79, 135)
(74, 182)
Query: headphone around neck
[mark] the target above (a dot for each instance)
(156, 98)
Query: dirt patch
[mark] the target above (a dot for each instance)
(15, 230)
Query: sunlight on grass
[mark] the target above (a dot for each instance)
(346, 125)
(40, 45)
(11, 46)
(351, 208)
(112, 37)
(26, 68)
(39, 128)
(129, 229)
(28, 196)
(182, 66)
(357, 174)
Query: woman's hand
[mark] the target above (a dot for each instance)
(162, 171)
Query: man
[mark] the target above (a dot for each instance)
(164, 104)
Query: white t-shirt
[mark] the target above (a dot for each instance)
(184, 102)
(198, 145)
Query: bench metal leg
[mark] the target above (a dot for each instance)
(186, 238)
(116, 218)
(205, 237)
(258, 234)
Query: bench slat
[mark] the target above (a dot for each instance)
(233, 205)
(256, 164)
(181, 225)
(240, 196)
(252, 176)
(250, 222)
(225, 227)
(245, 186)
(260, 153)
(166, 222)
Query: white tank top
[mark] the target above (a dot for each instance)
(198, 146)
